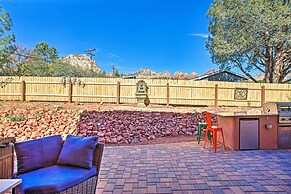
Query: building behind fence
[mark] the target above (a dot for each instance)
(161, 91)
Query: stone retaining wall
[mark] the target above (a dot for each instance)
(126, 127)
(113, 127)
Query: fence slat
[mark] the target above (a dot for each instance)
(118, 93)
(70, 98)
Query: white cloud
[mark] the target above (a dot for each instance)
(111, 55)
(202, 35)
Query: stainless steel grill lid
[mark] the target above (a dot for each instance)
(283, 109)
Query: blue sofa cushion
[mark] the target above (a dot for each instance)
(38, 153)
(54, 179)
(78, 151)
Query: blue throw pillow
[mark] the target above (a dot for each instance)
(78, 151)
(38, 153)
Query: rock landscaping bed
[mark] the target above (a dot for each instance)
(114, 124)
(127, 127)
(24, 124)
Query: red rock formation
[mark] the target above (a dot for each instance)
(193, 75)
(180, 75)
(210, 71)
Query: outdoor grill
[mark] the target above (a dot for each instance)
(283, 109)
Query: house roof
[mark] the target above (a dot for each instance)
(219, 72)
(129, 77)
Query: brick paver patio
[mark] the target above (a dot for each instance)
(188, 168)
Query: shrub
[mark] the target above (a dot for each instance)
(16, 118)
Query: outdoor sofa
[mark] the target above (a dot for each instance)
(50, 165)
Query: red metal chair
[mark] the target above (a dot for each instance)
(213, 130)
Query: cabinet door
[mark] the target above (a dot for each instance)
(284, 137)
(249, 134)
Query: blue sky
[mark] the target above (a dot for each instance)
(130, 34)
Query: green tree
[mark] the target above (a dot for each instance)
(116, 73)
(102, 74)
(252, 35)
(6, 42)
(40, 58)
(45, 53)
(60, 68)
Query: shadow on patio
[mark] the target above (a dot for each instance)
(188, 168)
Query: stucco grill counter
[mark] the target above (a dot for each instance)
(254, 129)
(283, 109)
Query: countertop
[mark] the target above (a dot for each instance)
(244, 113)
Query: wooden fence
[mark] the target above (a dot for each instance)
(161, 91)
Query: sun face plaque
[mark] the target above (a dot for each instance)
(141, 93)
(241, 94)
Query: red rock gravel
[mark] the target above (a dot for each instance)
(127, 127)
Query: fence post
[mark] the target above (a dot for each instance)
(263, 95)
(70, 96)
(118, 93)
(168, 94)
(216, 96)
(23, 91)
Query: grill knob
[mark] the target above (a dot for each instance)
(283, 119)
(289, 119)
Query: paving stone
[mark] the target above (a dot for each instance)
(228, 191)
(153, 180)
(273, 188)
(187, 187)
(216, 190)
(247, 188)
(201, 186)
(102, 184)
(109, 187)
(180, 192)
(107, 192)
(142, 184)
(236, 189)
(175, 186)
(117, 191)
(99, 190)
(128, 186)
(259, 187)
(131, 180)
(139, 190)
(166, 180)
(213, 183)
(285, 188)
(288, 181)
(207, 192)
(164, 190)
(161, 185)
(112, 181)
(142, 178)
(213, 178)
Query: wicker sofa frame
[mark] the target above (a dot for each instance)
(6, 157)
(88, 186)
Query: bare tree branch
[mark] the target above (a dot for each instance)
(253, 61)
(239, 65)
(257, 52)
